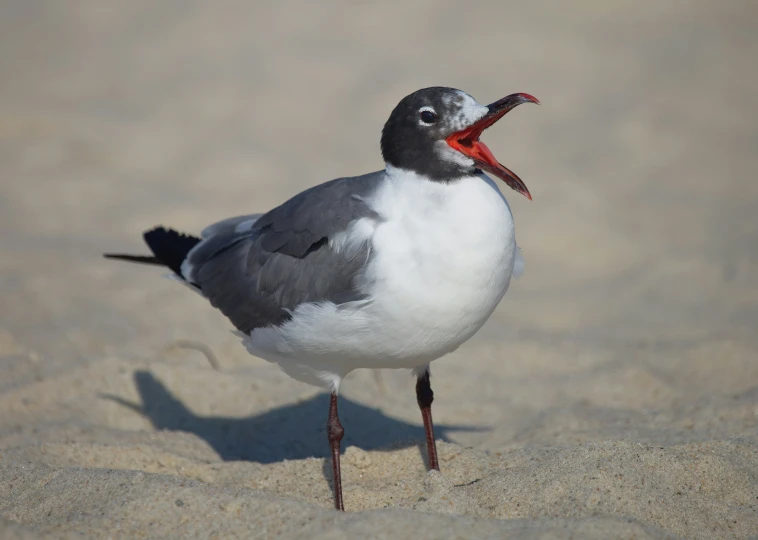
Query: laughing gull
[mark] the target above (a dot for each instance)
(392, 269)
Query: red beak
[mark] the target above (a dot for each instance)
(467, 141)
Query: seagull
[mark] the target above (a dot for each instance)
(391, 269)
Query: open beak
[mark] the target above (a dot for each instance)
(467, 141)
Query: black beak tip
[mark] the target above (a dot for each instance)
(528, 98)
(512, 101)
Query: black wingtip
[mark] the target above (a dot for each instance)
(144, 259)
(170, 247)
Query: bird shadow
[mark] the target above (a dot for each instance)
(293, 431)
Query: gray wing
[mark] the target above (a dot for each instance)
(256, 277)
(317, 213)
(230, 225)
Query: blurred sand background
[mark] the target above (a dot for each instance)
(614, 394)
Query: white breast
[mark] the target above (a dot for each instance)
(442, 258)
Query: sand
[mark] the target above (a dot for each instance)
(613, 394)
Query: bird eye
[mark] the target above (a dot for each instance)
(427, 116)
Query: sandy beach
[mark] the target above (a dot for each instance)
(614, 392)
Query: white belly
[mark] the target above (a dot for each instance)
(442, 259)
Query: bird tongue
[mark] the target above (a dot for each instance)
(467, 142)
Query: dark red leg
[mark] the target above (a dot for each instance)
(335, 432)
(425, 396)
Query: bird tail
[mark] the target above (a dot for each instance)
(169, 248)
